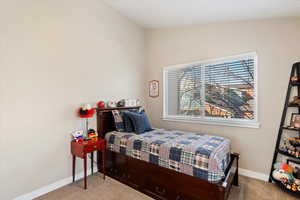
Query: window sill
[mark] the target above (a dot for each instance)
(219, 122)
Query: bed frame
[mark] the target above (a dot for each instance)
(159, 182)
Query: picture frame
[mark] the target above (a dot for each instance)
(154, 88)
(295, 120)
(293, 163)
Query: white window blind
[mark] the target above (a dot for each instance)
(217, 91)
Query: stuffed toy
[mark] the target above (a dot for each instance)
(121, 103)
(86, 111)
(285, 167)
(283, 172)
(111, 104)
(281, 175)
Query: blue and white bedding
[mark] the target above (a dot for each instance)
(195, 154)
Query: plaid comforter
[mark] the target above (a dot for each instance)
(195, 154)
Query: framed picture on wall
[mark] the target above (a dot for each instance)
(293, 163)
(154, 88)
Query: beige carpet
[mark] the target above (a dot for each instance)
(110, 189)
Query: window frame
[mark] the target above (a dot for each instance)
(212, 120)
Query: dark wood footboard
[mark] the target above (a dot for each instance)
(162, 183)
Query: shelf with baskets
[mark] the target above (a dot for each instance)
(286, 175)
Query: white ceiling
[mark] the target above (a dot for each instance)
(162, 13)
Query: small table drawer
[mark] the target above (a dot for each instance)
(93, 147)
(90, 148)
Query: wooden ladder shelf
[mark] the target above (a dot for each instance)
(283, 128)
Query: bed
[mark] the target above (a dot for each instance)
(168, 164)
(195, 154)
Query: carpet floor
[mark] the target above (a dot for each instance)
(110, 189)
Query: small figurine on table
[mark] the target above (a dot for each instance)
(78, 135)
(92, 133)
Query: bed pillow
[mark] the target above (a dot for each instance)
(147, 123)
(148, 126)
(119, 122)
(140, 121)
(128, 124)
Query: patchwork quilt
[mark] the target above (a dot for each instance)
(199, 155)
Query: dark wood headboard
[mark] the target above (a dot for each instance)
(105, 120)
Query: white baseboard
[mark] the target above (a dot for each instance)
(252, 174)
(51, 187)
(48, 188)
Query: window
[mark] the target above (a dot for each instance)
(221, 91)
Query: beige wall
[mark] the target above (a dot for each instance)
(277, 45)
(54, 56)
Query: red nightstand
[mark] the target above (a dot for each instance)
(81, 149)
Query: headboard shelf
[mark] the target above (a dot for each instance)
(116, 108)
